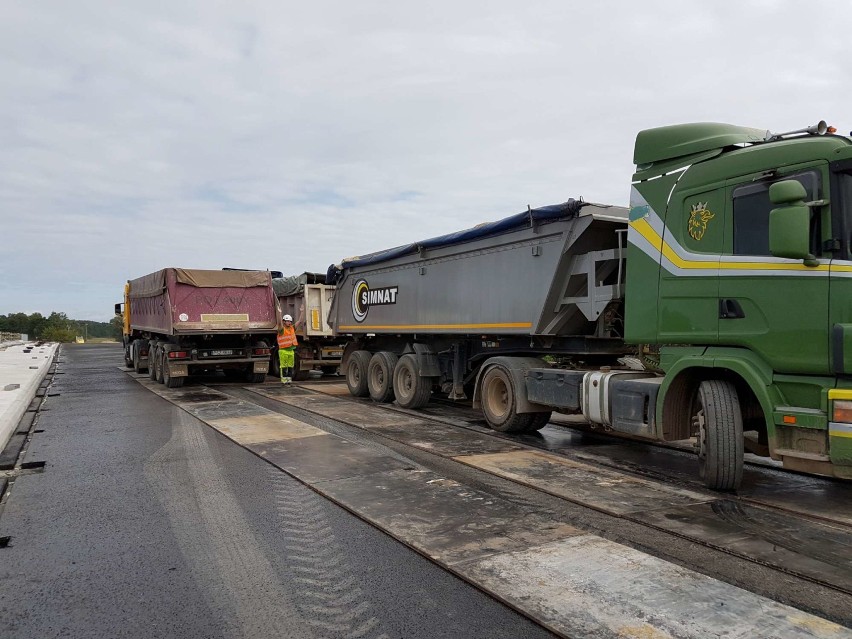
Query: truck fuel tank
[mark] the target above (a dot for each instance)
(601, 394)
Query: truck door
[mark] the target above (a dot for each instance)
(840, 283)
(775, 307)
(689, 277)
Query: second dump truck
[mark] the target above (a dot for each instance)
(179, 321)
(717, 307)
(307, 299)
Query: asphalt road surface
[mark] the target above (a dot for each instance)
(147, 523)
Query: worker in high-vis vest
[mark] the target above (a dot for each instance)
(287, 349)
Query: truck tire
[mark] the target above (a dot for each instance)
(539, 421)
(356, 373)
(298, 374)
(128, 356)
(152, 361)
(380, 376)
(274, 364)
(411, 390)
(251, 377)
(137, 367)
(161, 363)
(168, 380)
(718, 425)
(499, 405)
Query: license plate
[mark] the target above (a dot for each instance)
(220, 352)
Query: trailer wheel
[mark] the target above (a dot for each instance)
(168, 380)
(380, 376)
(539, 421)
(356, 373)
(152, 361)
(718, 425)
(411, 390)
(499, 405)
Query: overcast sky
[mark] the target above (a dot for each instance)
(289, 135)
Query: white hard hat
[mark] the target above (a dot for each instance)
(287, 318)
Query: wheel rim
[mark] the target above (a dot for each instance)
(354, 374)
(406, 382)
(497, 397)
(378, 377)
(699, 427)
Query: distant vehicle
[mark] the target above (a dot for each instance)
(178, 322)
(717, 307)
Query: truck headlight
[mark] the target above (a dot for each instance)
(842, 411)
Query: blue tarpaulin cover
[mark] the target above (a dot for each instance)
(520, 220)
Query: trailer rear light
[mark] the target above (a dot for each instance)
(178, 354)
(262, 351)
(842, 411)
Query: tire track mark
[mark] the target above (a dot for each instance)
(216, 540)
(330, 598)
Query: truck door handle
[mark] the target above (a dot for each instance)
(730, 309)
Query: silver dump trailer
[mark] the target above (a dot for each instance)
(469, 313)
(307, 299)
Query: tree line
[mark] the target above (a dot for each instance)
(57, 327)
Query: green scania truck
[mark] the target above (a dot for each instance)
(718, 307)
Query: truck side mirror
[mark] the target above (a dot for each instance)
(790, 222)
(118, 309)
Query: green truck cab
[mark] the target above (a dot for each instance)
(740, 277)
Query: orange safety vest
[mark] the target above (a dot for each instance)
(287, 338)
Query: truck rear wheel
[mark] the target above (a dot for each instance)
(168, 380)
(718, 425)
(539, 421)
(161, 364)
(380, 376)
(137, 367)
(356, 373)
(298, 374)
(411, 390)
(152, 361)
(499, 403)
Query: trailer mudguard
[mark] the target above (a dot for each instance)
(516, 367)
(675, 396)
(427, 360)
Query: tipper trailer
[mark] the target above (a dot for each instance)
(717, 307)
(307, 299)
(183, 321)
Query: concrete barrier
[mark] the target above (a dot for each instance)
(21, 371)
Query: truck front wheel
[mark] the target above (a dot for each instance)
(718, 426)
(499, 403)
(356, 373)
(411, 390)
